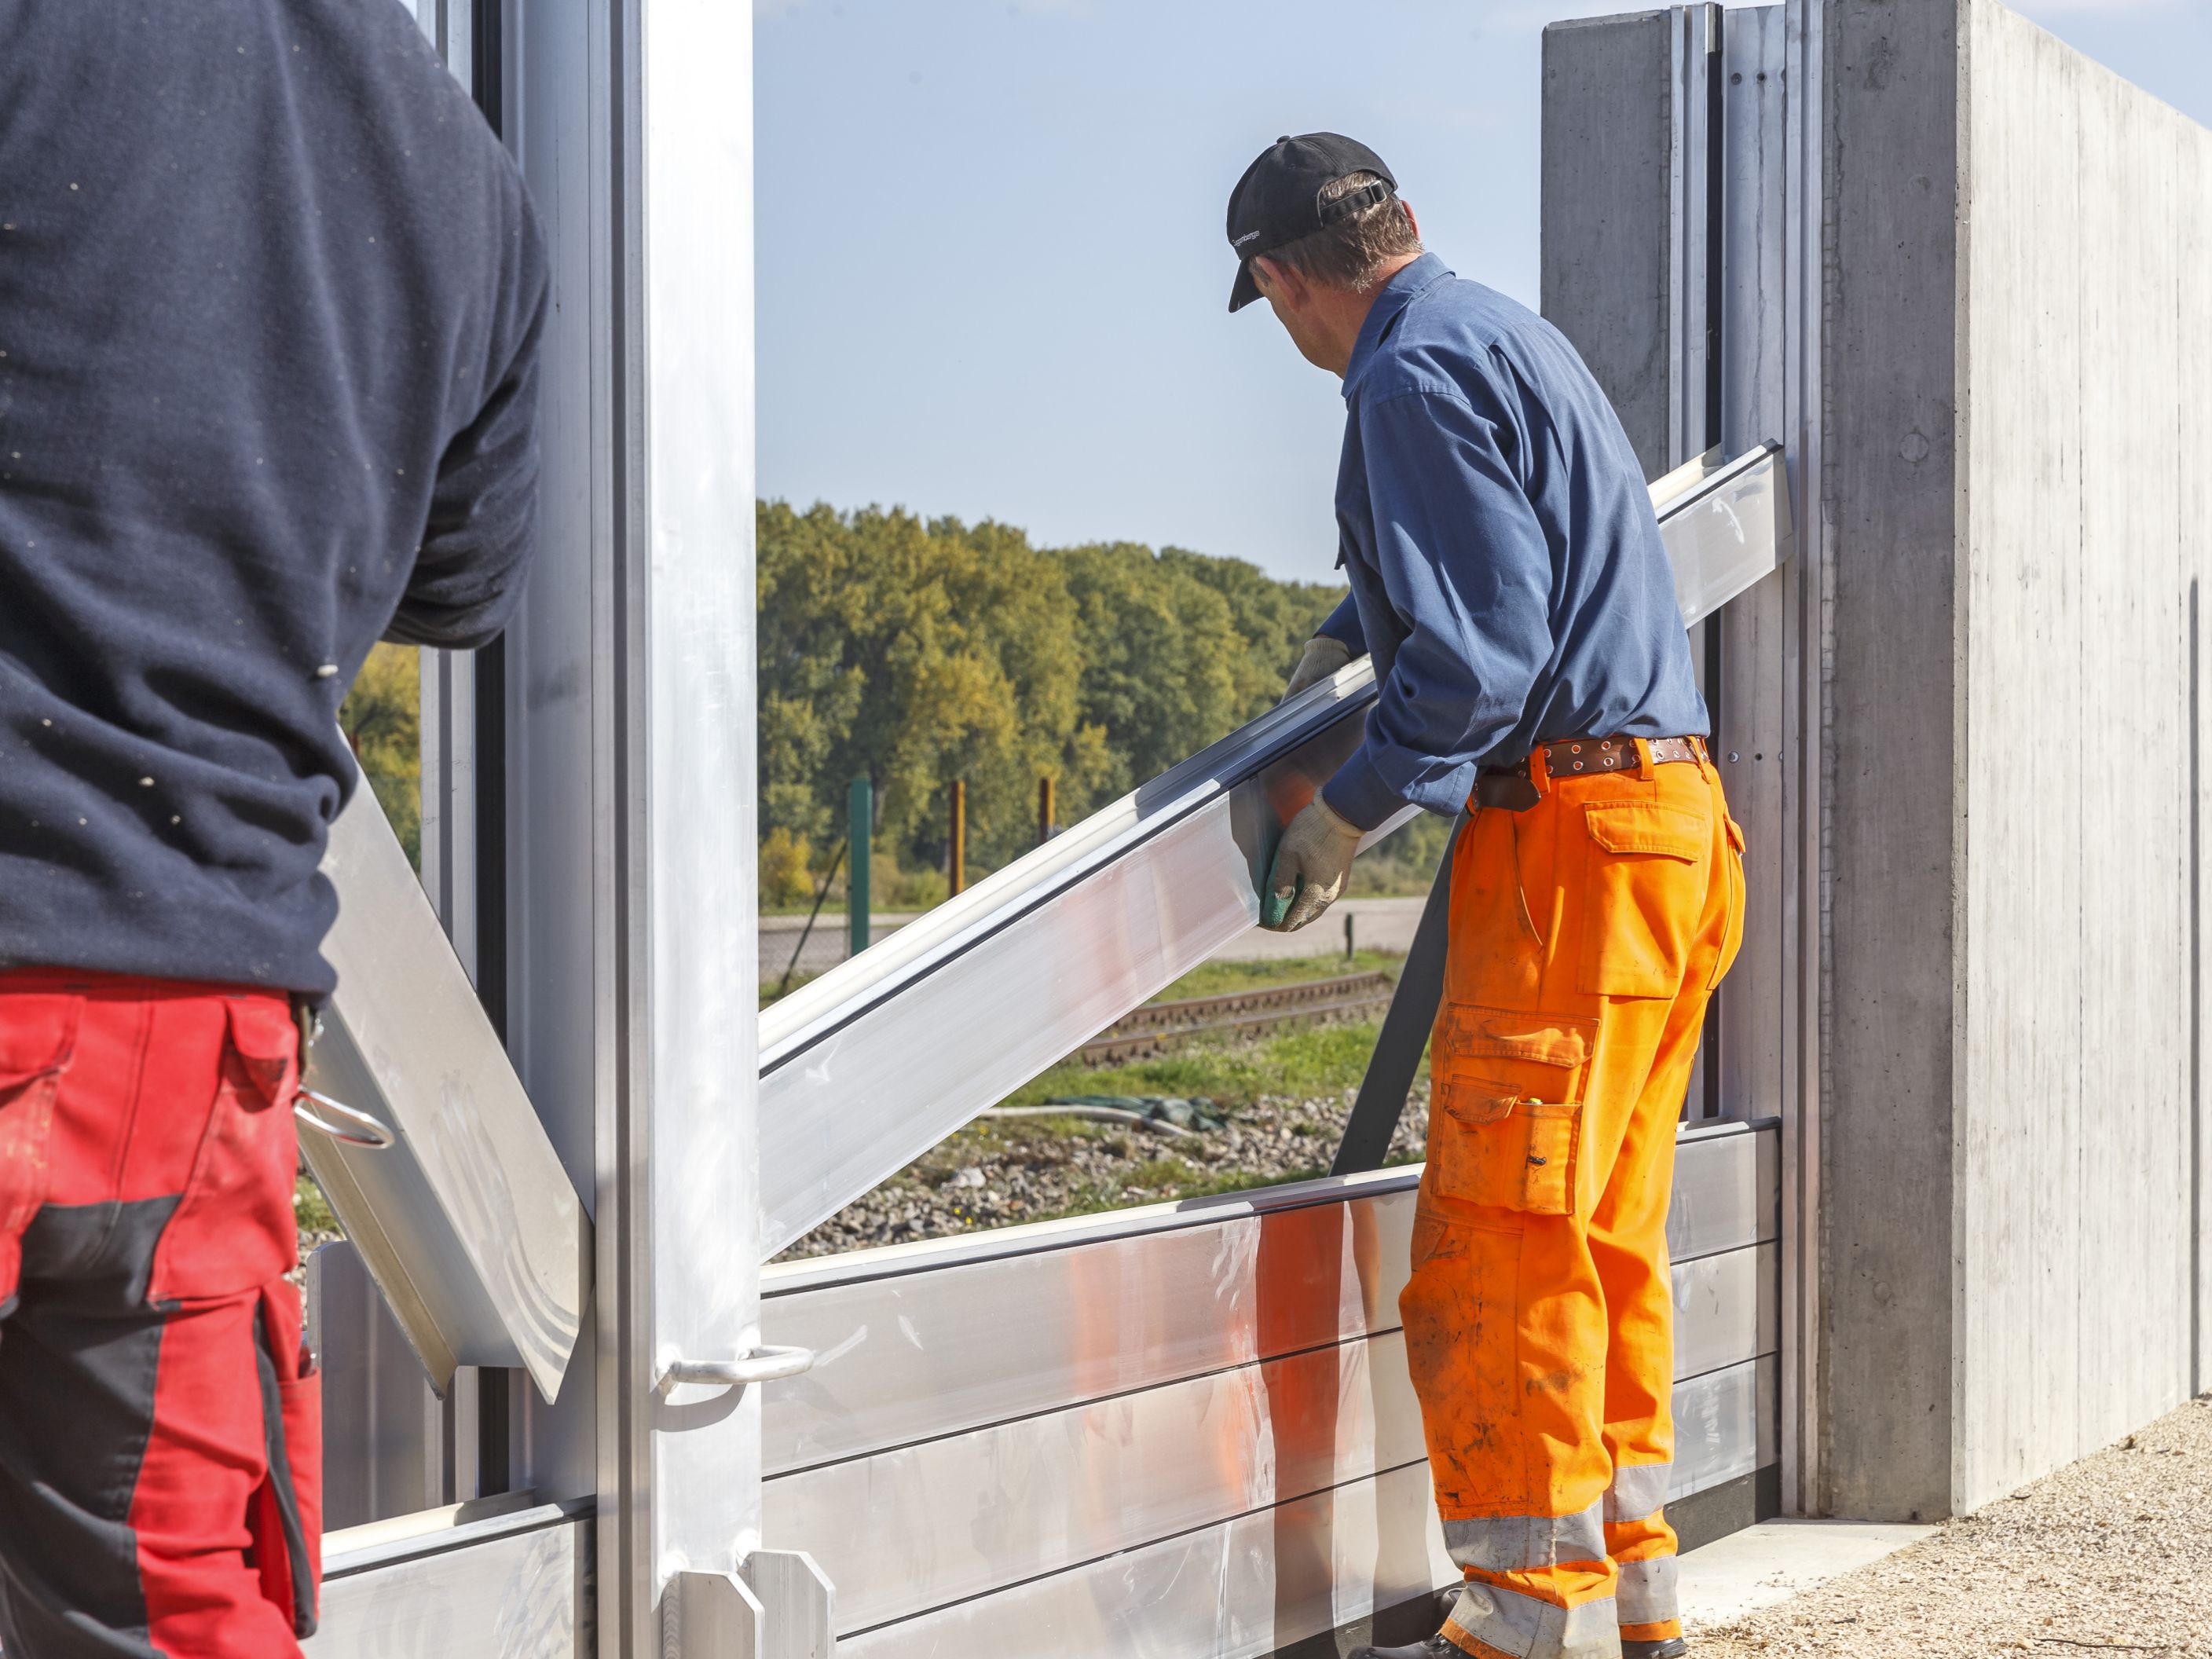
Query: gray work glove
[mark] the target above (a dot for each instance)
(1309, 867)
(1323, 657)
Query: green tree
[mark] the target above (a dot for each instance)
(382, 719)
(913, 652)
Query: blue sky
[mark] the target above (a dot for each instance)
(992, 277)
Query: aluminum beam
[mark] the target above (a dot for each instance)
(468, 1224)
(880, 1059)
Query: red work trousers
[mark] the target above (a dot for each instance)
(161, 1449)
(1588, 932)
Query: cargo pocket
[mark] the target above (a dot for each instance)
(1506, 1111)
(1732, 933)
(1648, 871)
(38, 1041)
(235, 1228)
(285, 1514)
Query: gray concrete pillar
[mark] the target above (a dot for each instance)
(1890, 362)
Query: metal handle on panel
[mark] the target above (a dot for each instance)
(761, 1366)
(354, 1126)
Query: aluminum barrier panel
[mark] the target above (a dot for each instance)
(1188, 1428)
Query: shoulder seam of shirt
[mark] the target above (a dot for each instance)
(1450, 394)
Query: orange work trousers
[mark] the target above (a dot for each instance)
(1588, 932)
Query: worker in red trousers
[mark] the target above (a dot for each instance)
(271, 297)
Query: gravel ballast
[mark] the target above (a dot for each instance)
(2105, 1556)
(996, 1173)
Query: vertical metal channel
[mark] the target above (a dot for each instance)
(1695, 339)
(1718, 322)
(572, 997)
(1805, 632)
(463, 806)
(1749, 708)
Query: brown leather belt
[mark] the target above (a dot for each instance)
(1514, 788)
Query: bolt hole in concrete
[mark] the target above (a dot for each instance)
(2096, 1557)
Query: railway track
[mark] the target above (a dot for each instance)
(1159, 1028)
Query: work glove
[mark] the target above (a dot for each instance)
(1309, 867)
(1323, 657)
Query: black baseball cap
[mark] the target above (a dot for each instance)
(1278, 199)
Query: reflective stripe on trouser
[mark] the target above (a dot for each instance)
(1510, 1621)
(1641, 1546)
(1587, 934)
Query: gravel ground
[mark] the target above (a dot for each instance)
(2105, 1556)
(997, 1172)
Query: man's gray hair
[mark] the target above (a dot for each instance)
(1352, 252)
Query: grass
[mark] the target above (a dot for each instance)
(1215, 979)
(311, 1209)
(1316, 1059)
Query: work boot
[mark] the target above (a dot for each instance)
(1437, 1647)
(1441, 1647)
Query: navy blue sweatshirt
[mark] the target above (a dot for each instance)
(270, 295)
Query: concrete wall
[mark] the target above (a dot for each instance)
(2085, 361)
(2016, 357)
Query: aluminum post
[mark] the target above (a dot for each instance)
(630, 780)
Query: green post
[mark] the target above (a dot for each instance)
(860, 822)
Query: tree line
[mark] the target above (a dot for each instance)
(912, 652)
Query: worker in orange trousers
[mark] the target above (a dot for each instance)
(1510, 587)
(1587, 931)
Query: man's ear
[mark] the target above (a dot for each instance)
(1410, 219)
(1277, 281)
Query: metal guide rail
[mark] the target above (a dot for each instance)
(878, 1061)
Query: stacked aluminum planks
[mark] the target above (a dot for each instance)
(1183, 1430)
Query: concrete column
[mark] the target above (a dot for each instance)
(1891, 360)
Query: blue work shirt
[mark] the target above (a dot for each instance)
(1507, 575)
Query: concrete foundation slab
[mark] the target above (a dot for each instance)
(1770, 1563)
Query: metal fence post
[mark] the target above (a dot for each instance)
(860, 829)
(956, 856)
